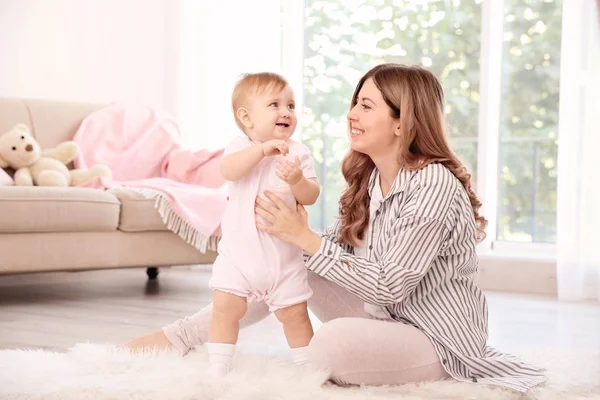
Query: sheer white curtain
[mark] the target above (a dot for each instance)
(578, 203)
(219, 41)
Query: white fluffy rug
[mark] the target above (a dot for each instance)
(90, 371)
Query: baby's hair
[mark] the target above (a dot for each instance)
(254, 83)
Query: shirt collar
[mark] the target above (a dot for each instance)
(398, 186)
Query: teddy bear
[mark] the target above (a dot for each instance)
(34, 166)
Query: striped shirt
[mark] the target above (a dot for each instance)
(420, 267)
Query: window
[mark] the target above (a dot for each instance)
(529, 121)
(512, 122)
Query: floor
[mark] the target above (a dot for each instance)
(57, 310)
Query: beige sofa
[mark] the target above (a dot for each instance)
(60, 229)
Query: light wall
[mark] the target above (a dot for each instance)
(91, 50)
(180, 56)
(220, 41)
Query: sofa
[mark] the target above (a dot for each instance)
(46, 229)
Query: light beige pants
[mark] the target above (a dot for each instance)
(357, 348)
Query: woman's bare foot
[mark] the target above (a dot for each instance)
(154, 340)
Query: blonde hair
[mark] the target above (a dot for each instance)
(251, 84)
(414, 95)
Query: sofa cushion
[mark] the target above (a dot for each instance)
(54, 209)
(137, 212)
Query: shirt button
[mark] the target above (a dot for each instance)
(330, 252)
(370, 247)
(444, 361)
(377, 212)
(474, 379)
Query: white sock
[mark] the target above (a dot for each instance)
(300, 356)
(220, 356)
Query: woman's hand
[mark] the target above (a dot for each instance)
(286, 224)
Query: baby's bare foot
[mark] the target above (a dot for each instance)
(154, 340)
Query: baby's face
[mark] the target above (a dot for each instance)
(273, 115)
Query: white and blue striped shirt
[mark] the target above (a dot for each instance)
(420, 266)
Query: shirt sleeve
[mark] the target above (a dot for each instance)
(331, 234)
(238, 143)
(307, 163)
(410, 246)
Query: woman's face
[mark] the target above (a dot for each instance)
(374, 131)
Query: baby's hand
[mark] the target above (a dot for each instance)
(275, 147)
(290, 172)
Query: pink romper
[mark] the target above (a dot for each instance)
(251, 263)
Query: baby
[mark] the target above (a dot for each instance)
(253, 265)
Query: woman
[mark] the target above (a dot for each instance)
(393, 279)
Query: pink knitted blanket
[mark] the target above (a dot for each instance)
(143, 150)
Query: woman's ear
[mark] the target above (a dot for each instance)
(397, 130)
(243, 116)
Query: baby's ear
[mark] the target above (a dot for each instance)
(244, 116)
(3, 163)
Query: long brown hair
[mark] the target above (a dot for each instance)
(414, 95)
